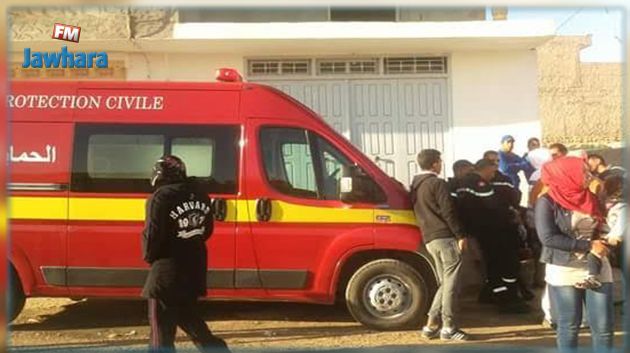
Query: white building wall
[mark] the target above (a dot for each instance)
(180, 66)
(493, 94)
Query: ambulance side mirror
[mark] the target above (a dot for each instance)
(356, 186)
(345, 185)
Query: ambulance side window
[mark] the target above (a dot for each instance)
(333, 163)
(115, 158)
(288, 161)
(302, 164)
(197, 153)
(125, 156)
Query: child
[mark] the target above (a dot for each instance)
(616, 207)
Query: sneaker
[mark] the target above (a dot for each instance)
(430, 333)
(453, 335)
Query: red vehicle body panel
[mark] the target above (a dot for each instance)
(70, 248)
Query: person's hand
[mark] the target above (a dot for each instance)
(462, 244)
(599, 248)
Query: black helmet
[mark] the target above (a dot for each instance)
(168, 169)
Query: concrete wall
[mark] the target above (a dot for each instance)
(580, 103)
(180, 66)
(493, 94)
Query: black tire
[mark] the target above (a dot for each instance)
(392, 284)
(17, 299)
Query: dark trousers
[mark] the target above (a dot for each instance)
(500, 253)
(165, 317)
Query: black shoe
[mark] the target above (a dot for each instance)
(527, 294)
(485, 296)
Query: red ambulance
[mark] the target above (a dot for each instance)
(301, 214)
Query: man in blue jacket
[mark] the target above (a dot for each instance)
(509, 163)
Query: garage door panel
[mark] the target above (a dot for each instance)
(424, 117)
(412, 170)
(437, 96)
(439, 135)
(374, 103)
(391, 119)
(328, 98)
(422, 99)
(411, 133)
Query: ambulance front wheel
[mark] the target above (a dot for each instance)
(17, 299)
(387, 295)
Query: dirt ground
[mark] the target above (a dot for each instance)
(63, 324)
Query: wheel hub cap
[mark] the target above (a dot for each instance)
(387, 296)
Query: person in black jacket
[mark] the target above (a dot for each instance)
(511, 196)
(460, 169)
(178, 223)
(502, 183)
(445, 240)
(488, 218)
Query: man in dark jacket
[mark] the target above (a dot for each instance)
(488, 218)
(502, 184)
(511, 196)
(445, 240)
(460, 169)
(599, 168)
(178, 223)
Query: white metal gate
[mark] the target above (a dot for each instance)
(390, 120)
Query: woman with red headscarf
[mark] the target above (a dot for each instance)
(565, 216)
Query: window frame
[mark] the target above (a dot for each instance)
(81, 181)
(313, 140)
(278, 149)
(319, 140)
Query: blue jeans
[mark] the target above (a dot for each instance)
(566, 307)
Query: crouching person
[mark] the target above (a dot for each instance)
(178, 223)
(487, 217)
(445, 240)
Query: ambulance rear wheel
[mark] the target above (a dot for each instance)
(387, 295)
(17, 299)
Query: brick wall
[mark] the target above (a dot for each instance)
(580, 103)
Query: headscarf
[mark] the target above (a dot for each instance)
(537, 158)
(565, 179)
